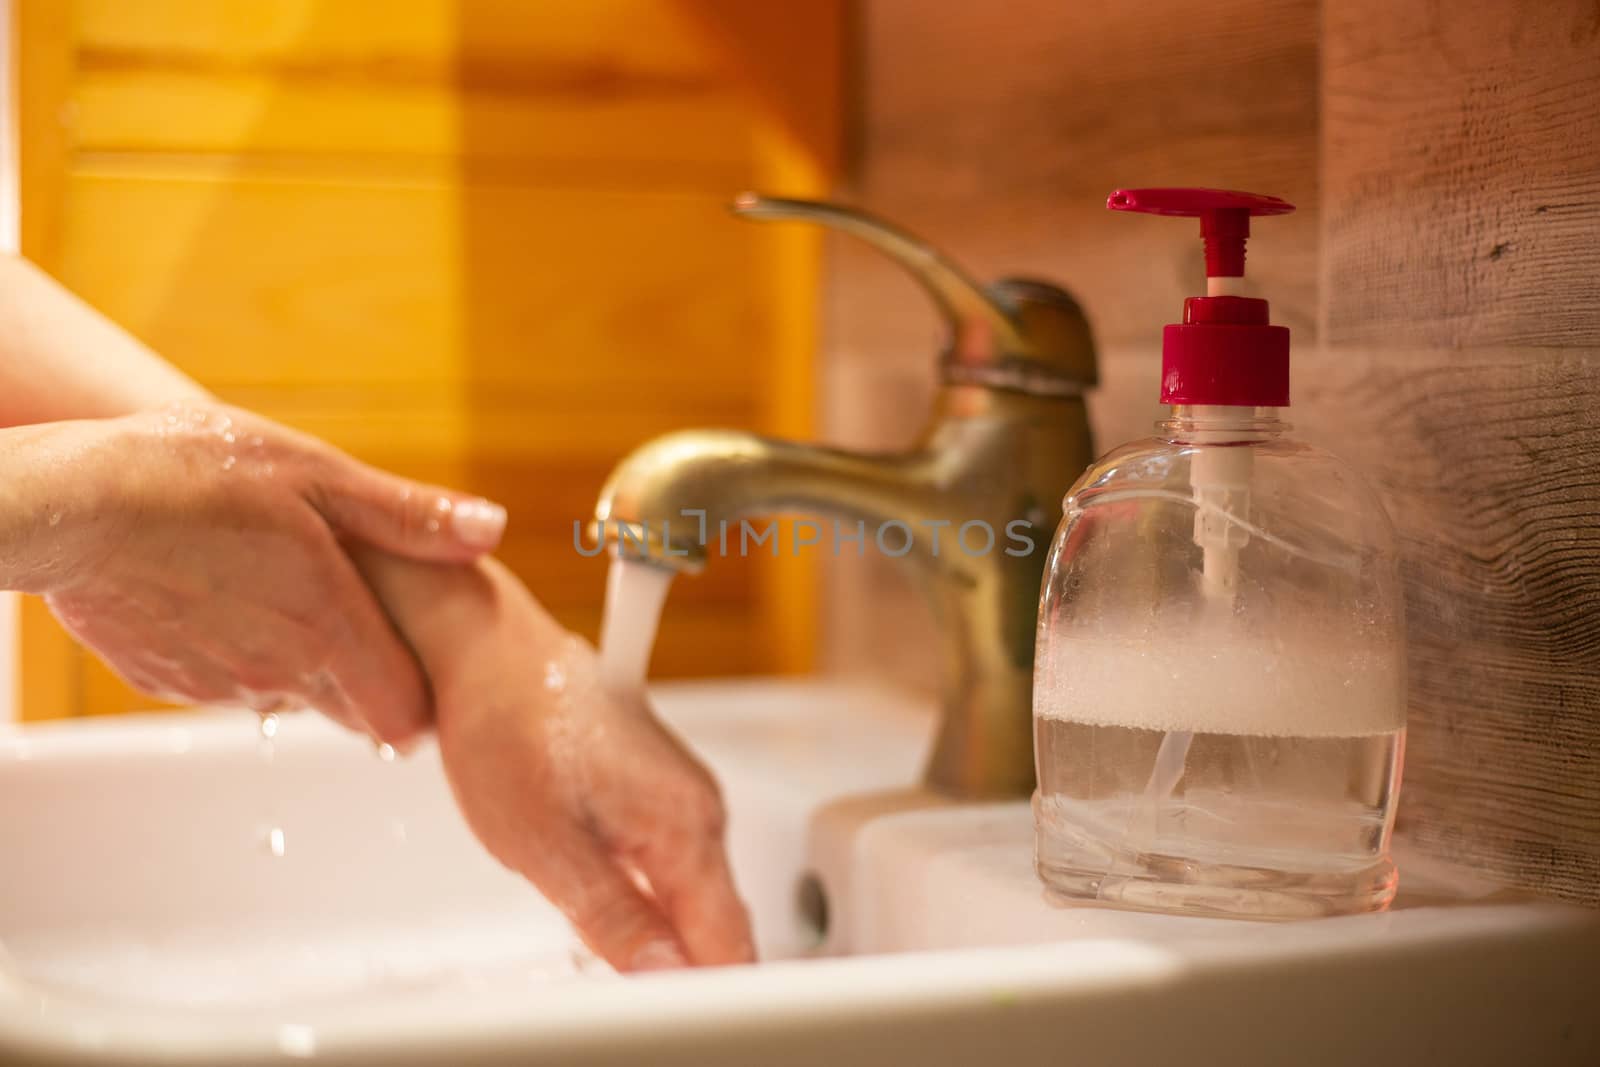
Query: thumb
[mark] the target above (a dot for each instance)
(407, 518)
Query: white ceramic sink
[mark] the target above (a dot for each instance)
(148, 917)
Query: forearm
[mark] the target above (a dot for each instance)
(61, 359)
(46, 515)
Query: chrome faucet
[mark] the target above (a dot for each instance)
(1007, 436)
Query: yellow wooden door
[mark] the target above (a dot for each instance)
(481, 243)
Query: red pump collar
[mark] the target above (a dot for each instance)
(1225, 352)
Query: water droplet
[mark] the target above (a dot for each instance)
(583, 961)
(275, 843)
(555, 676)
(228, 462)
(267, 746)
(386, 752)
(55, 518)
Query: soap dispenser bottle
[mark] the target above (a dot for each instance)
(1219, 687)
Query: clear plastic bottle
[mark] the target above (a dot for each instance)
(1219, 692)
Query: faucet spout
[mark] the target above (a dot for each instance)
(964, 508)
(680, 498)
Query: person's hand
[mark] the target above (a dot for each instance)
(200, 551)
(580, 790)
(585, 794)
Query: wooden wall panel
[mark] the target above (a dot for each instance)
(1485, 459)
(1462, 147)
(417, 286)
(633, 88)
(1003, 133)
(1461, 200)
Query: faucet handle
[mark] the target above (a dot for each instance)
(1018, 333)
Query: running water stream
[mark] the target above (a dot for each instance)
(635, 593)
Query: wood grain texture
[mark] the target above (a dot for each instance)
(544, 297)
(1461, 144)
(1486, 462)
(632, 89)
(1461, 206)
(1001, 134)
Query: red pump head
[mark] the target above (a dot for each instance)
(1225, 352)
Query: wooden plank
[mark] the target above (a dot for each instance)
(48, 682)
(1460, 153)
(556, 295)
(673, 94)
(419, 423)
(1000, 139)
(1486, 462)
(625, 89)
(1461, 163)
(42, 33)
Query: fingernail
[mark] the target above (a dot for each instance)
(658, 956)
(478, 523)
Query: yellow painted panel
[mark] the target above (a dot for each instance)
(49, 682)
(397, 42)
(607, 88)
(407, 424)
(547, 298)
(43, 77)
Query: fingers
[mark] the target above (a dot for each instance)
(706, 911)
(369, 669)
(663, 814)
(404, 517)
(689, 876)
(617, 921)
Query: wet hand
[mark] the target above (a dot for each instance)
(200, 551)
(579, 789)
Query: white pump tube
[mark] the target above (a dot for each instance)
(1219, 475)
